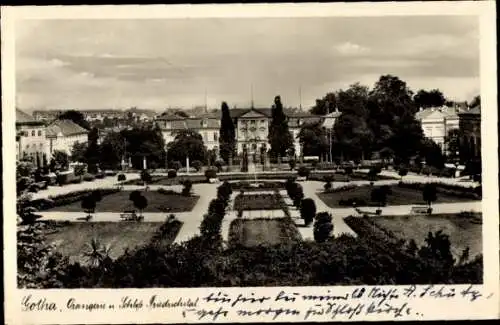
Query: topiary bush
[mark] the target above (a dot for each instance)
(197, 165)
(176, 165)
(211, 173)
(307, 210)
(172, 173)
(323, 227)
(303, 171)
(122, 177)
(186, 190)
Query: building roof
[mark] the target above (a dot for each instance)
(23, 117)
(472, 111)
(64, 127)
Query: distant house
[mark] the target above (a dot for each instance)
(437, 122)
(63, 134)
(31, 142)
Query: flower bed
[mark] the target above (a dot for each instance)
(262, 231)
(250, 186)
(244, 202)
(447, 189)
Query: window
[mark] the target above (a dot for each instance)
(253, 121)
(216, 137)
(27, 146)
(33, 133)
(39, 133)
(262, 121)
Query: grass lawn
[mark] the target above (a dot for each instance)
(255, 232)
(463, 232)
(260, 201)
(119, 202)
(399, 196)
(72, 239)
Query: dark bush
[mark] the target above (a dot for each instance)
(134, 195)
(303, 171)
(88, 177)
(211, 173)
(323, 227)
(307, 210)
(186, 190)
(122, 178)
(327, 186)
(197, 165)
(146, 177)
(218, 164)
(172, 173)
(100, 175)
(176, 165)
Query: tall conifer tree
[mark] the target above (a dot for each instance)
(280, 137)
(227, 133)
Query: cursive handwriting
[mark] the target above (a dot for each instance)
(42, 304)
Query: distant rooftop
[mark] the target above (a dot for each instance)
(64, 127)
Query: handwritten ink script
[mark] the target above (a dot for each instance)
(239, 304)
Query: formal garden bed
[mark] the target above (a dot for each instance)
(261, 201)
(263, 231)
(249, 186)
(77, 240)
(396, 195)
(119, 201)
(463, 229)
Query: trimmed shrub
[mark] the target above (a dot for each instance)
(176, 165)
(303, 171)
(323, 227)
(197, 165)
(218, 164)
(328, 186)
(186, 190)
(172, 173)
(211, 173)
(292, 163)
(146, 176)
(122, 178)
(88, 177)
(308, 211)
(134, 195)
(100, 175)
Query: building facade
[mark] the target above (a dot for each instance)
(251, 127)
(437, 122)
(63, 134)
(31, 141)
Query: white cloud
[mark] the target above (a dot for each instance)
(349, 48)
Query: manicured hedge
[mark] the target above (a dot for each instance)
(449, 189)
(68, 198)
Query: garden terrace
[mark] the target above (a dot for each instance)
(399, 196)
(263, 231)
(72, 239)
(158, 201)
(261, 201)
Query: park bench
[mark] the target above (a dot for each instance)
(130, 216)
(421, 210)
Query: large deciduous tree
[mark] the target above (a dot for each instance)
(145, 143)
(313, 139)
(75, 116)
(227, 139)
(325, 105)
(112, 150)
(78, 152)
(280, 138)
(187, 143)
(392, 117)
(432, 98)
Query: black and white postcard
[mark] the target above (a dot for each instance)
(250, 163)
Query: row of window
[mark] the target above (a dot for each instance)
(253, 121)
(40, 145)
(33, 133)
(215, 136)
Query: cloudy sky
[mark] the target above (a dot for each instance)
(157, 64)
